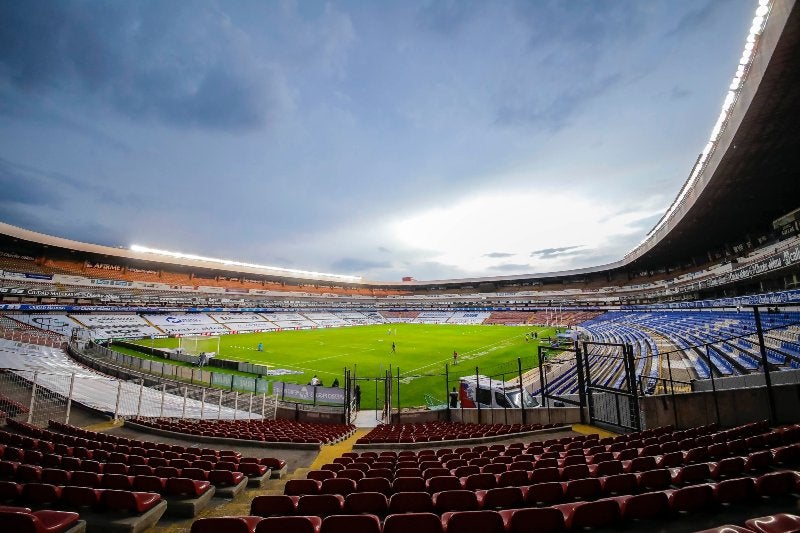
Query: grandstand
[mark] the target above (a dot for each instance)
(671, 402)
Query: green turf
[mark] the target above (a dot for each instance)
(422, 351)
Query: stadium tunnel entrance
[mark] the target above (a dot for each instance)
(362, 389)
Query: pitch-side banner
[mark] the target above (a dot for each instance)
(306, 393)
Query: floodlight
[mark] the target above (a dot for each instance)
(762, 10)
(229, 262)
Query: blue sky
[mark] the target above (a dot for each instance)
(437, 139)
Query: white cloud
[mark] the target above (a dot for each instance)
(468, 232)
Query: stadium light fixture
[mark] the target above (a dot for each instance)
(230, 262)
(742, 69)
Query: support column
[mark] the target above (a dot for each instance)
(69, 397)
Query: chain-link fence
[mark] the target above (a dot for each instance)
(36, 397)
(33, 397)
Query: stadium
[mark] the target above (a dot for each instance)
(149, 390)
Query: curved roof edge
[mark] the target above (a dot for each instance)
(694, 186)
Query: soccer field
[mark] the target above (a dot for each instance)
(422, 351)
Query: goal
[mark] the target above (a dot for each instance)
(197, 344)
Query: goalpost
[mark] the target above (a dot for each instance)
(197, 344)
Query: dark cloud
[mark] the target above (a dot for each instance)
(566, 38)
(553, 113)
(349, 264)
(42, 186)
(548, 253)
(384, 250)
(20, 186)
(679, 93)
(697, 18)
(62, 224)
(498, 255)
(181, 64)
(446, 16)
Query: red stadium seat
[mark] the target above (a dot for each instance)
(123, 500)
(778, 523)
(440, 483)
(657, 479)
(600, 513)
(733, 491)
(343, 486)
(540, 520)
(289, 524)
(366, 503)
(469, 521)
(376, 484)
(420, 522)
(647, 506)
(410, 502)
(225, 478)
(479, 482)
(691, 499)
(179, 486)
(320, 475)
(409, 484)
(46, 521)
(582, 489)
(364, 523)
(503, 498)
(619, 484)
(78, 497)
(274, 505)
(226, 524)
(41, 494)
(546, 493)
(455, 500)
(149, 484)
(299, 487)
(320, 504)
(778, 483)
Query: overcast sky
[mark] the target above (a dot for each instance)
(436, 139)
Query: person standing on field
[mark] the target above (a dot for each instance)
(455, 357)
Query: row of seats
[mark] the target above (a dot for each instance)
(580, 487)
(142, 482)
(577, 441)
(777, 523)
(564, 517)
(719, 444)
(278, 430)
(77, 437)
(436, 480)
(40, 451)
(75, 498)
(118, 463)
(23, 519)
(442, 431)
(572, 464)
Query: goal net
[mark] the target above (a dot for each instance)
(195, 345)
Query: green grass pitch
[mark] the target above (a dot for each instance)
(422, 351)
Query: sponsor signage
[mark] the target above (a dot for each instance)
(305, 393)
(21, 291)
(104, 266)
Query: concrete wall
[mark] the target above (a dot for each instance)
(553, 415)
(302, 415)
(735, 407)
(784, 377)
